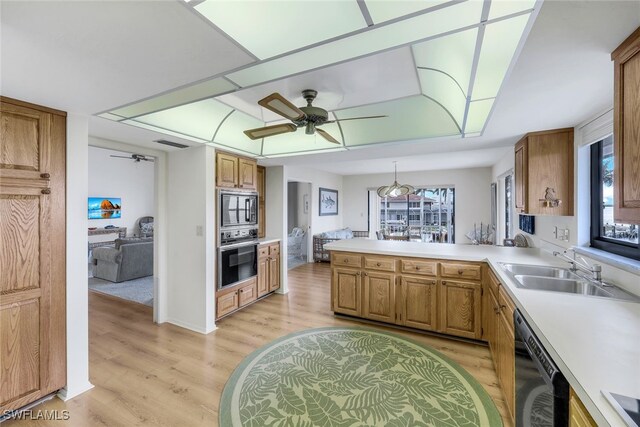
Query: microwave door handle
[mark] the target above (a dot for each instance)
(246, 210)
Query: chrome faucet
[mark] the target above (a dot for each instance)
(594, 270)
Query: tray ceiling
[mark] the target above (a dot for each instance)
(434, 68)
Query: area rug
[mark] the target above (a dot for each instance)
(343, 376)
(137, 290)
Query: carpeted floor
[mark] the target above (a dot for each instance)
(138, 290)
(346, 376)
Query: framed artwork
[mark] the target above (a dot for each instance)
(328, 202)
(105, 207)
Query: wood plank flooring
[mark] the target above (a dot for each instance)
(163, 375)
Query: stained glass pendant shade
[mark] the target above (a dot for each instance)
(395, 189)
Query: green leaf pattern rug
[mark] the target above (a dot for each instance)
(352, 377)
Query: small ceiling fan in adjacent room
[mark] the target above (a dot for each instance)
(136, 158)
(309, 117)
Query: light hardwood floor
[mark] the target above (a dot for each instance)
(145, 374)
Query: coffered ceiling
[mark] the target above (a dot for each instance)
(433, 68)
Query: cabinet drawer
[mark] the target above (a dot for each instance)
(247, 293)
(347, 260)
(274, 249)
(379, 263)
(263, 251)
(461, 271)
(414, 266)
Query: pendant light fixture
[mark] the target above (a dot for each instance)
(395, 189)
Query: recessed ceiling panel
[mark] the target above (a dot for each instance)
(270, 28)
(299, 142)
(385, 10)
(409, 118)
(162, 130)
(498, 47)
(198, 119)
(231, 133)
(500, 8)
(202, 90)
(443, 89)
(478, 114)
(375, 40)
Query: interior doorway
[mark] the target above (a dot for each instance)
(121, 213)
(298, 223)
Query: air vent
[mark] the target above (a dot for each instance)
(170, 143)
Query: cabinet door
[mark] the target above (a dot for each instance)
(578, 414)
(274, 273)
(260, 181)
(347, 291)
(506, 362)
(226, 170)
(520, 172)
(227, 303)
(493, 316)
(248, 174)
(460, 308)
(263, 276)
(380, 296)
(419, 302)
(247, 293)
(626, 108)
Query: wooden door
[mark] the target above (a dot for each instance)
(520, 175)
(460, 308)
(226, 170)
(261, 187)
(247, 174)
(626, 130)
(247, 293)
(493, 316)
(227, 303)
(506, 362)
(419, 303)
(32, 253)
(347, 291)
(274, 272)
(578, 414)
(379, 296)
(263, 276)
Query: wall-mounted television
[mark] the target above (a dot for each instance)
(105, 207)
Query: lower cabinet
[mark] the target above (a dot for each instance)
(460, 308)
(230, 300)
(578, 414)
(379, 296)
(268, 268)
(419, 302)
(346, 291)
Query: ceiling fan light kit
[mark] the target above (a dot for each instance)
(395, 189)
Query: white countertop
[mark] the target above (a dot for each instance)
(594, 341)
(267, 240)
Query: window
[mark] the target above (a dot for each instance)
(508, 202)
(427, 215)
(621, 239)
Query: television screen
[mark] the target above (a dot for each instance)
(105, 208)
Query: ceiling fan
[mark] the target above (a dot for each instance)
(309, 117)
(136, 158)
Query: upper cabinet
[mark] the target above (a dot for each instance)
(544, 173)
(235, 172)
(626, 130)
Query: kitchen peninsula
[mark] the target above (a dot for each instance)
(593, 341)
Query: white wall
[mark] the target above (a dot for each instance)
(133, 182)
(191, 238)
(276, 216)
(472, 197)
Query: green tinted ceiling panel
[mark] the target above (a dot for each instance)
(161, 130)
(299, 142)
(231, 132)
(199, 119)
(270, 28)
(409, 118)
(384, 10)
(443, 89)
(110, 116)
(478, 114)
(177, 97)
(377, 39)
(498, 47)
(501, 8)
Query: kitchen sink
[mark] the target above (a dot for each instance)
(540, 271)
(557, 279)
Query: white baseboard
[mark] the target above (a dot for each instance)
(69, 393)
(194, 328)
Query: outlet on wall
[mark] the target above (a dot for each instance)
(561, 233)
(199, 230)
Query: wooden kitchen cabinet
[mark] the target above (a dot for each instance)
(461, 308)
(419, 302)
(346, 291)
(578, 414)
(261, 187)
(268, 268)
(626, 136)
(274, 267)
(506, 361)
(379, 297)
(226, 303)
(544, 169)
(236, 172)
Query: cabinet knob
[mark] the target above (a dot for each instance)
(45, 176)
(496, 310)
(346, 261)
(365, 273)
(460, 271)
(417, 268)
(46, 191)
(377, 264)
(444, 283)
(433, 282)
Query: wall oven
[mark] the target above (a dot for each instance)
(237, 262)
(542, 392)
(237, 209)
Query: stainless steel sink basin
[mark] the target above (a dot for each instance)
(540, 271)
(571, 286)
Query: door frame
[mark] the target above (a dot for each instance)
(309, 216)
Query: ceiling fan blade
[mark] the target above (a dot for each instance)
(264, 132)
(355, 118)
(326, 135)
(279, 105)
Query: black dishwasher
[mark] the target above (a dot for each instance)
(542, 392)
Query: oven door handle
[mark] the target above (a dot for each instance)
(237, 245)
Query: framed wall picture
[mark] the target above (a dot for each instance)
(328, 202)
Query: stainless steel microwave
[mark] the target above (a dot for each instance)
(237, 209)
